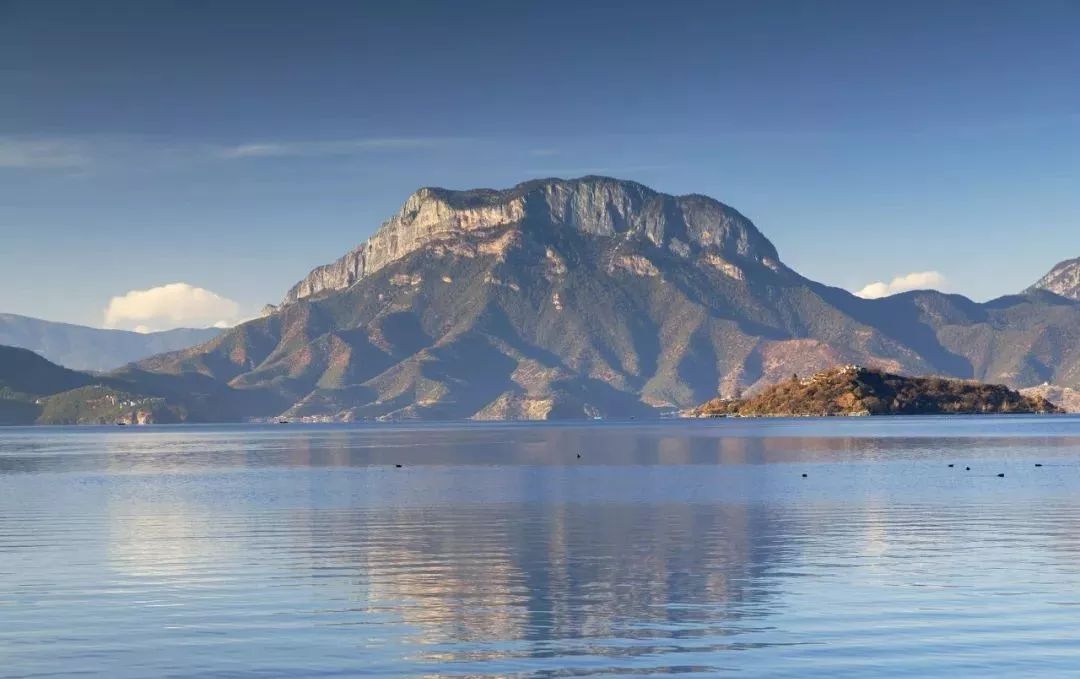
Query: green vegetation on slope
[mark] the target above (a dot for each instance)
(100, 404)
(36, 391)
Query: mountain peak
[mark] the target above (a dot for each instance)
(1063, 279)
(473, 198)
(601, 207)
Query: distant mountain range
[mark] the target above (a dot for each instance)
(82, 348)
(589, 297)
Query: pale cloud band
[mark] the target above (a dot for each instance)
(31, 154)
(82, 153)
(916, 280)
(169, 306)
(333, 147)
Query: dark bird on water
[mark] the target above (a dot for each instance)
(804, 476)
(967, 469)
(398, 466)
(952, 465)
(1001, 476)
(579, 456)
(1038, 464)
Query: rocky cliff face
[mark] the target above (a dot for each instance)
(685, 225)
(1063, 279)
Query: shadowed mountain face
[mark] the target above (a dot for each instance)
(575, 298)
(34, 390)
(1063, 279)
(82, 348)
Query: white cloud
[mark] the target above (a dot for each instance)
(170, 306)
(20, 153)
(916, 280)
(333, 147)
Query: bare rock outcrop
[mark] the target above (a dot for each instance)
(1063, 279)
(596, 206)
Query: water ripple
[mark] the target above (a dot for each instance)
(681, 549)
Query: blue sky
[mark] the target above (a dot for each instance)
(234, 146)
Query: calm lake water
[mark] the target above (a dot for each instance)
(689, 548)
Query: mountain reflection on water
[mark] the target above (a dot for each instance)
(494, 551)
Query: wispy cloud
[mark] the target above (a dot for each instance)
(31, 154)
(331, 147)
(916, 280)
(94, 153)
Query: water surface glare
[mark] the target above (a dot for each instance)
(670, 548)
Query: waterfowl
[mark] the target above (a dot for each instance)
(1001, 476)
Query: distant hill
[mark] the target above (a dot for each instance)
(34, 390)
(854, 390)
(576, 298)
(82, 348)
(1063, 279)
(22, 371)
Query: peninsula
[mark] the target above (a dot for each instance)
(854, 390)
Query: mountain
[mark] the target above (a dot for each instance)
(1063, 279)
(34, 390)
(592, 206)
(24, 372)
(852, 390)
(586, 297)
(82, 348)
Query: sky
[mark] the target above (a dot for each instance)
(184, 163)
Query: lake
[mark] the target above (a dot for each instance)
(694, 548)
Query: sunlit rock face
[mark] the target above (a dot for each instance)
(1063, 279)
(596, 206)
